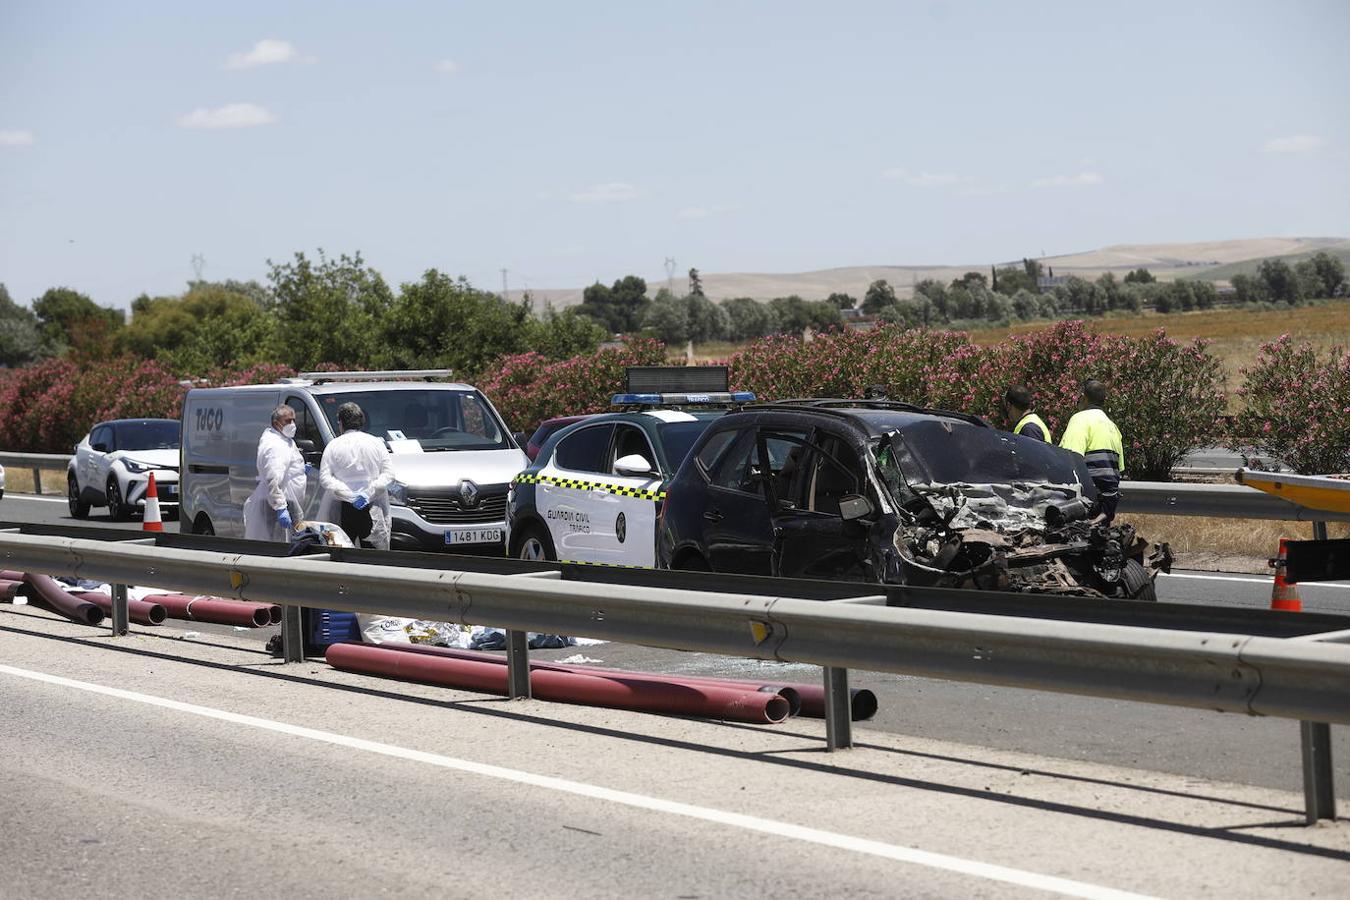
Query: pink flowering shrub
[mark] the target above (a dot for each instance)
(845, 363)
(527, 388)
(49, 406)
(1296, 406)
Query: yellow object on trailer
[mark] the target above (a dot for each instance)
(1330, 493)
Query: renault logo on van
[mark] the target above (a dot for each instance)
(468, 494)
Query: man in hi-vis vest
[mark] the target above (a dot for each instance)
(1092, 434)
(1017, 403)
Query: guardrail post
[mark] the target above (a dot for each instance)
(37, 480)
(292, 635)
(1319, 791)
(1319, 531)
(838, 710)
(121, 620)
(518, 664)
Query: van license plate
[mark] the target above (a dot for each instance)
(473, 536)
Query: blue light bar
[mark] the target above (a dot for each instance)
(683, 399)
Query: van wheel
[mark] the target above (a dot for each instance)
(535, 544)
(78, 508)
(202, 525)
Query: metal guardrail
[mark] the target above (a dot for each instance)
(1305, 678)
(1230, 501)
(37, 463)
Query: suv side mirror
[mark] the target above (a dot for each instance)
(100, 447)
(853, 507)
(635, 465)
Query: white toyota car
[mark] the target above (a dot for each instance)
(112, 465)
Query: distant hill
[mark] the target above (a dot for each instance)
(1212, 260)
(1249, 266)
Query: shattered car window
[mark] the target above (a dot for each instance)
(945, 451)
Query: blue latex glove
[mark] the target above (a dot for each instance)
(360, 501)
(284, 518)
(309, 469)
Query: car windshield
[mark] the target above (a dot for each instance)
(151, 434)
(947, 451)
(679, 437)
(438, 420)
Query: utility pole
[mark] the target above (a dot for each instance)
(198, 265)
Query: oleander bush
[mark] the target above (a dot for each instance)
(1296, 406)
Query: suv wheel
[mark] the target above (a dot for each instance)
(202, 525)
(534, 544)
(117, 509)
(1138, 585)
(78, 508)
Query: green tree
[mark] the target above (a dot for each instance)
(970, 279)
(210, 326)
(329, 311)
(1139, 276)
(1011, 279)
(936, 292)
(747, 318)
(1250, 289)
(695, 283)
(20, 338)
(879, 295)
(565, 334)
(597, 302)
(1280, 280)
(1330, 272)
(795, 315)
(841, 300)
(444, 322)
(69, 318)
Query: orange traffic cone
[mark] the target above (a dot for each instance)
(151, 520)
(1284, 594)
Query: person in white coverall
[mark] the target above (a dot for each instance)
(278, 502)
(355, 475)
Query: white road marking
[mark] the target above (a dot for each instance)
(37, 498)
(1266, 582)
(910, 855)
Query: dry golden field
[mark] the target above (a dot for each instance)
(1237, 334)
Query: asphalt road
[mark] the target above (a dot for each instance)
(1245, 750)
(152, 766)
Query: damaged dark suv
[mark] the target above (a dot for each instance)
(888, 492)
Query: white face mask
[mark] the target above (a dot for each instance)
(288, 430)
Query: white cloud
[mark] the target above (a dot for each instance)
(1294, 143)
(231, 115)
(1082, 179)
(703, 212)
(448, 66)
(924, 179)
(267, 52)
(609, 192)
(18, 138)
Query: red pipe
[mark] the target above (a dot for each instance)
(68, 605)
(806, 699)
(214, 610)
(141, 612)
(787, 691)
(9, 588)
(567, 687)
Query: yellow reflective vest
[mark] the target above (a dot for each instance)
(1032, 418)
(1092, 435)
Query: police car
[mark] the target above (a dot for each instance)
(595, 490)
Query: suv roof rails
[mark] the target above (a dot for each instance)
(384, 375)
(841, 406)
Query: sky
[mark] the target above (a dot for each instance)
(573, 142)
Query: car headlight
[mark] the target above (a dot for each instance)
(398, 493)
(132, 465)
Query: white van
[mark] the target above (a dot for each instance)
(453, 456)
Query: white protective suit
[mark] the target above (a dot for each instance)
(281, 484)
(357, 463)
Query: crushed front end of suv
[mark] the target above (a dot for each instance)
(891, 493)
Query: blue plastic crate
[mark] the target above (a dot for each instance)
(327, 626)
